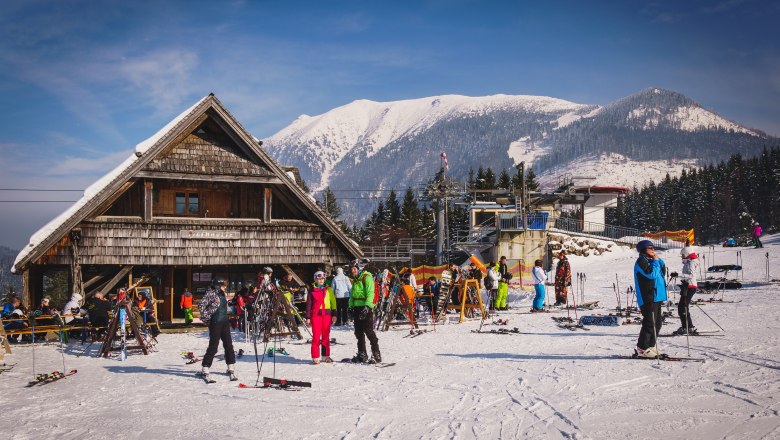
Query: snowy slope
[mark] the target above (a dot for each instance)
(451, 383)
(612, 169)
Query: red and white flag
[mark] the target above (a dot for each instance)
(443, 156)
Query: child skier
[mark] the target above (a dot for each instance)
(539, 278)
(320, 311)
(687, 290)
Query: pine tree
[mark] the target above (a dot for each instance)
(330, 205)
(393, 209)
(411, 216)
(504, 181)
(532, 183)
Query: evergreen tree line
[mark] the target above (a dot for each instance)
(409, 217)
(717, 201)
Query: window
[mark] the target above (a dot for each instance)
(187, 203)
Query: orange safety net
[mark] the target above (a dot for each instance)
(680, 235)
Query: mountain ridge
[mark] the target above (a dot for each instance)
(381, 145)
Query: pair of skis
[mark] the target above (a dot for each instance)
(664, 357)
(373, 364)
(500, 331)
(279, 384)
(416, 333)
(44, 378)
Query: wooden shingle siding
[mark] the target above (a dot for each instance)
(130, 241)
(207, 150)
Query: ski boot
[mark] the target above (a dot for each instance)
(680, 331)
(359, 358)
(205, 374)
(327, 360)
(231, 372)
(376, 358)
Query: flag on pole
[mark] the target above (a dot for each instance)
(443, 156)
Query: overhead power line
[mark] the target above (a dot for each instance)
(41, 189)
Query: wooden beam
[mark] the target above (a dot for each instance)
(295, 275)
(270, 179)
(148, 200)
(94, 280)
(267, 201)
(113, 281)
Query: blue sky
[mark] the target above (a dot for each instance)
(84, 81)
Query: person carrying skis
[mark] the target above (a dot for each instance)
(503, 284)
(757, 231)
(562, 279)
(650, 285)
(361, 302)
(186, 306)
(213, 313)
(687, 289)
(539, 277)
(320, 312)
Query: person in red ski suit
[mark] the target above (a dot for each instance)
(320, 311)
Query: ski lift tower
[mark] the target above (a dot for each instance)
(442, 188)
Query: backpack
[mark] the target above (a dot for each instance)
(488, 282)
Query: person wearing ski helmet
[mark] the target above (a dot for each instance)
(687, 289)
(539, 277)
(361, 302)
(650, 285)
(213, 312)
(320, 312)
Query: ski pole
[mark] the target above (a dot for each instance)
(687, 318)
(705, 313)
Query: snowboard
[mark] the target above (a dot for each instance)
(724, 268)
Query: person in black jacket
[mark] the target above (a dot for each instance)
(213, 312)
(97, 308)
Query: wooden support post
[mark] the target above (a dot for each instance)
(267, 201)
(26, 291)
(148, 200)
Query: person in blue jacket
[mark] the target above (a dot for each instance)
(650, 285)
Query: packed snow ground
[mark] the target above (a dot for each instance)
(451, 383)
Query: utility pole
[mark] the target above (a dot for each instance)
(441, 189)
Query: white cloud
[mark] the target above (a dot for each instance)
(163, 77)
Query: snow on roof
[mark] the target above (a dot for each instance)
(93, 190)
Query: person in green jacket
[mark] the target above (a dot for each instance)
(361, 302)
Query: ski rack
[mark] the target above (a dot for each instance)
(469, 288)
(107, 347)
(281, 316)
(399, 299)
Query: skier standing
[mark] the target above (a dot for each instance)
(503, 285)
(491, 284)
(361, 302)
(757, 231)
(213, 312)
(539, 278)
(320, 311)
(687, 290)
(650, 285)
(562, 279)
(341, 287)
(186, 306)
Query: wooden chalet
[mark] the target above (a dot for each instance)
(199, 198)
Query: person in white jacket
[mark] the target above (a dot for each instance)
(687, 290)
(341, 288)
(73, 311)
(493, 276)
(539, 277)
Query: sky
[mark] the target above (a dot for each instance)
(82, 82)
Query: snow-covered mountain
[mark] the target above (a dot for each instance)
(382, 145)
